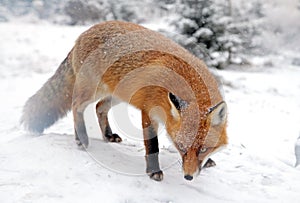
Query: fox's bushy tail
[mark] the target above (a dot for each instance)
(51, 102)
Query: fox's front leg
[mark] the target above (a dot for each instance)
(151, 146)
(209, 163)
(102, 109)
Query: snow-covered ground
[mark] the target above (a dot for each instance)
(256, 166)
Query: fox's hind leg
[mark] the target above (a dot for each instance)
(102, 109)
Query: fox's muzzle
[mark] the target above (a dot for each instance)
(188, 177)
(190, 165)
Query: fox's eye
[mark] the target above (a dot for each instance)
(182, 151)
(203, 150)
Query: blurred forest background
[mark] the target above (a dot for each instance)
(222, 32)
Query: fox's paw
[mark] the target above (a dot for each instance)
(113, 138)
(81, 137)
(81, 143)
(209, 163)
(157, 176)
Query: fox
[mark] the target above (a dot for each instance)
(126, 62)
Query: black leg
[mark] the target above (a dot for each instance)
(152, 149)
(102, 109)
(209, 163)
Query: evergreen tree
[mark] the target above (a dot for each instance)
(210, 30)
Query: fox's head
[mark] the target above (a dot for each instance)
(196, 132)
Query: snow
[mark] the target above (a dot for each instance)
(257, 165)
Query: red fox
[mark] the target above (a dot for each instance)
(126, 62)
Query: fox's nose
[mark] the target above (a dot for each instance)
(188, 177)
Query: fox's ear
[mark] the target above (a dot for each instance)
(177, 102)
(218, 114)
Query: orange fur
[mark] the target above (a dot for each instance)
(142, 67)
